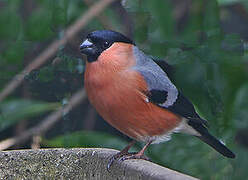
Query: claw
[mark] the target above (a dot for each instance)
(117, 156)
(110, 163)
(134, 156)
(125, 155)
(122, 157)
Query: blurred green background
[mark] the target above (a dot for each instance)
(204, 40)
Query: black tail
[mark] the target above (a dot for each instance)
(217, 145)
(209, 139)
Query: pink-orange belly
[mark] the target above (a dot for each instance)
(118, 98)
(131, 114)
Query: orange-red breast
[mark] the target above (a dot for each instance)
(133, 94)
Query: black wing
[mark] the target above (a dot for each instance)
(185, 108)
(182, 106)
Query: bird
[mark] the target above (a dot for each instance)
(135, 94)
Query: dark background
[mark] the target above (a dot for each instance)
(204, 40)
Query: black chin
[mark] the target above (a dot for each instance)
(91, 53)
(91, 58)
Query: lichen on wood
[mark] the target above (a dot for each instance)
(78, 163)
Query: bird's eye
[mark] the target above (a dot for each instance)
(106, 44)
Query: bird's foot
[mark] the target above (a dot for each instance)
(133, 156)
(117, 157)
(125, 156)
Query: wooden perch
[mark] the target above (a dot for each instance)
(80, 163)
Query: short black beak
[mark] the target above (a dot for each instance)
(86, 47)
(90, 50)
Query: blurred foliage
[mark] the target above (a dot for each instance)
(16, 110)
(87, 139)
(211, 69)
(57, 81)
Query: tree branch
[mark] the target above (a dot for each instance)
(52, 48)
(47, 123)
(101, 18)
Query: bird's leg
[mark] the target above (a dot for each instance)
(121, 153)
(124, 154)
(139, 155)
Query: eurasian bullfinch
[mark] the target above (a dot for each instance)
(136, 96)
